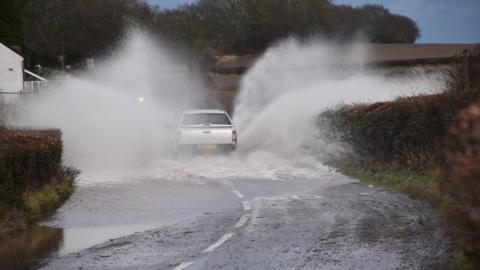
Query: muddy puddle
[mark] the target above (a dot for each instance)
(27, 250)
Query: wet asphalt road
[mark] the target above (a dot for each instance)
(328, 223)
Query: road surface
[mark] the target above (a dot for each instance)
(330, 222)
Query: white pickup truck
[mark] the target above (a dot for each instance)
(206, 130)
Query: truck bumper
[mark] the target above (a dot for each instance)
(205, 148)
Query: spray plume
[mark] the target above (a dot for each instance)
(119, 116)
(122, 116)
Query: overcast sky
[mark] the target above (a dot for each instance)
(440, 21)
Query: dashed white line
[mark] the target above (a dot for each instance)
(183, 266)
(295, 197)
(241, 222)
(218, 243)
(239, 195)
(243, 219)
(246, 206)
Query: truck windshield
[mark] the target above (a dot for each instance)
(206, 119)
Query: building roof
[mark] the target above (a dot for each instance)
(5, 47)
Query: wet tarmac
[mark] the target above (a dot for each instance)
(331, 222)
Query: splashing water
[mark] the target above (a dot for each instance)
(119, 120)
(119, 117)
(293, 82)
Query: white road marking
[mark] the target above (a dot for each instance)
(295, 197)
(183, 266)
(243, 219)
(318, 197)
(218, 243)
(239, 195)
(246, 206)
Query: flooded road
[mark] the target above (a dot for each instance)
(99, 212)
(291, 221)
(328, 223)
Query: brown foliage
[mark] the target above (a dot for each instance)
(77, 29)
(243, 26)
(461, 181)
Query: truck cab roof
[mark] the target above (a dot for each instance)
(203, 111)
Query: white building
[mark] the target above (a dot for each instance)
(11, 71)
(15, 80)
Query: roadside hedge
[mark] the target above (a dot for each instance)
(28, 160)
(409, 131)
(461, 182)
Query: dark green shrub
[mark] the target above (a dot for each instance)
(33, 181)
(28, 159)
(409, 131)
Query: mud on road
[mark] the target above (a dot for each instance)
(285, 225)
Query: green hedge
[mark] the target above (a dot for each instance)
(28, 160)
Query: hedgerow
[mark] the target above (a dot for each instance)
(409, 131)
(422, 133)
(33, 181)
(461, 183)
(28, 159)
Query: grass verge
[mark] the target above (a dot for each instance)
(417, 183)
(35, 205)
(422, 184)
(43, 202)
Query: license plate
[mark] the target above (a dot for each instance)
(207, 146)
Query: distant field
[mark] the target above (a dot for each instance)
(226, 74)
(379, 54)
(414, 52)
